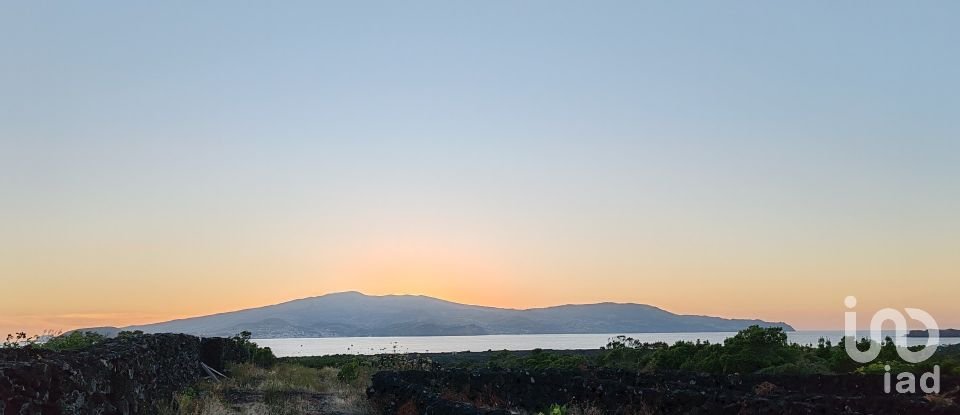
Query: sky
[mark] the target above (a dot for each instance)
(740, 159)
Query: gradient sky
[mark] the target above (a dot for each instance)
(742, 159)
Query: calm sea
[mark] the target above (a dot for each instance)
(426, 344)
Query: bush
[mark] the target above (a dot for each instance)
(756, 348)
(536, 359)
(74, 341)
(249, 352)
(750, 350)
(555, 409)
(697, 357)
(129, 334)
(350, 371)
(628, 353)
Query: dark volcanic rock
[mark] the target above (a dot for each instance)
(119, 376)
(614, 391)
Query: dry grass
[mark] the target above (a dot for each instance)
(583, 409)
(191, 402)
(940, 401)
(350, 397)
(285, 389)
(765, 388)
(294, 378)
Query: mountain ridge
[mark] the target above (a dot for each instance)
(354, 314)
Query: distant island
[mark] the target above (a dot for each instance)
(943, 333)
(353, 314)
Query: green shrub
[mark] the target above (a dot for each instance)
(129, 334)
(697, 357)
(249, 352)
(755, 348)
(74, 341)
(896, 366)
(350, 372)
(555, 409)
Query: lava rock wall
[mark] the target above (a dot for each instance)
(119, 376)
(492, 391)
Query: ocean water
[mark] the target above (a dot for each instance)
(435, 344)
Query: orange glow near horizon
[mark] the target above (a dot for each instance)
(463, 273)
(826, 316)
(94, 285)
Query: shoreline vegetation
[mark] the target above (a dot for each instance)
(262, 383)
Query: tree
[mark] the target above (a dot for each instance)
(755, 348)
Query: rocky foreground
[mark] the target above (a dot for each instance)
(498, 391)
(142, 374)
(119, 376)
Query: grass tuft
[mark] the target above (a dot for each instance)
(284, 389)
